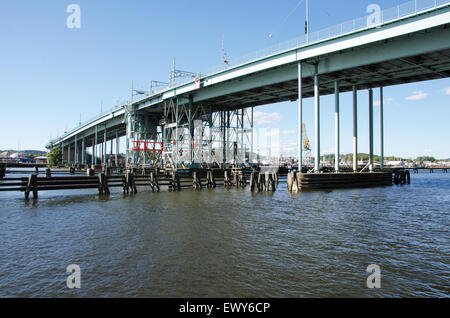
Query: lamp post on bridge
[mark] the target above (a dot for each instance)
(307, 22)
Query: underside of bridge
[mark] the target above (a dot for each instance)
(214, 124)
(410, 69)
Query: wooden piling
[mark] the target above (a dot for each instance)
(260, 182)
(235, 178)
(2, 171)
(129, 183)
(252, 181)
(292, 181)
(175, 184)
(32, 187)
(154, 181)
(242, 180)
(196, 182)
(102, 184)
(227, 180)
(210, 180)
(269, 182)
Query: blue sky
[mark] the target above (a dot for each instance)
(50, 74)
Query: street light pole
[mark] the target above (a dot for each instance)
(307, 22)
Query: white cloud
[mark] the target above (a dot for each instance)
(447, 90)
(274, 132)
(387, 101)
(289, 148)
(428, 151)
(289, 132)
(261, 118)
(418, 95)
(271, 132)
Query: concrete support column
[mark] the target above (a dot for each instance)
(69, 161)
(242, 137)
(93, 152)
(355, 129)
(76, 150)
(83, 151)
(252, 136)
(336, 126)
(371, 129)
(224, 137)
(105, 153)
(300, 119)
(317, 123)
(177, 137)
(62, 153)
(381, 129)
(117, 148)
(228, 148)
(100, 152)
(95, 145)
(111, 149)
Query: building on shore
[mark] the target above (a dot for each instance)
(41, 160)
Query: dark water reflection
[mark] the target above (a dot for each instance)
(233, 243)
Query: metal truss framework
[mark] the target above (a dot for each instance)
(141, 128)
(194, 135)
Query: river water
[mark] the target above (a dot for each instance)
(229, 243)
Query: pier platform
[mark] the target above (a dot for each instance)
(156, 180)
(314, 181)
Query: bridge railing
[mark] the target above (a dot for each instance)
(390, 15)
(94, 118)
(401, 11)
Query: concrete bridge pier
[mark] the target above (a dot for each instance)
(75, 150)
(355, 129)
(317, 122)
(62, 153)
(83, 151)
(381, 129)
(300, 118)
(95, 142)
(104, 154)
(117, 148)
(69, 158)
(336, 126)
(371, 162)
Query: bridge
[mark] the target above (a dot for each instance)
(209, 117)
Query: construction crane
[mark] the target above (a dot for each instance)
(305, 140)
(306, 145)
(224, 54)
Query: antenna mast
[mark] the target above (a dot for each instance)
(307, 22)
(224, 54)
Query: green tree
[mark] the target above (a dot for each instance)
(425, 158)
(54, 157)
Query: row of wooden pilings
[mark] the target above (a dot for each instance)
(402, 177)
(292, 182)
(231, 178)
(444, 170)
(196, 179)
